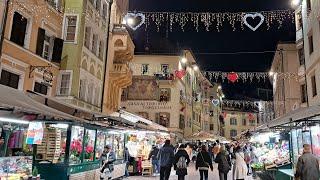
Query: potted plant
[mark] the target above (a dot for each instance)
(35, 174)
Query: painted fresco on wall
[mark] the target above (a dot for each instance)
(143, 88)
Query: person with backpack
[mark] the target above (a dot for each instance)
(224, 163)
(203, 163)
(181, 162)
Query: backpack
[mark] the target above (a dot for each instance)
(182, 163)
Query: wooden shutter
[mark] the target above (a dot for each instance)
(19, 27)
(40, 41)
(57, 50)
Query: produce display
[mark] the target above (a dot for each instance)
(15, 168)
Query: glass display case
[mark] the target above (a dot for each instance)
(101, 136)
(315, 135)
(77, 135)
(89, 141)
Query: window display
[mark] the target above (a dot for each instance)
(315, 135)
(89, 140)
(101, 136)
(77, 133)
(118, 145)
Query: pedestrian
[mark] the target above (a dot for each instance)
(107, 158)
(247, 157)
(189, 150)
(240, 167)
(210, 151)
(166, 158)
(126, 160)
(224, 163)
(308, 165)
(181, 162)
(215, 150)
(203, 163)
(153, 155)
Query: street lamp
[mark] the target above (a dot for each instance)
(195, 68)
(295, 3)
(271, 73)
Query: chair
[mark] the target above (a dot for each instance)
(146, 168)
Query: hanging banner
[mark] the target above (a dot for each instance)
(35, 133)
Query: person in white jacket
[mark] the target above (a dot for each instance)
(240, 168)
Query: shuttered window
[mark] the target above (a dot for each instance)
(19, 27)
(9, 79)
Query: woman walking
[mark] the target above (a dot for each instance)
(203, 163)
(224, 163)
(181, 162)
(240, 167)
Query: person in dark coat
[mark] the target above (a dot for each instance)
(154, 156)
(166, 158)
(224, 163)
(179, 165)
(308, 165)
(203, 163)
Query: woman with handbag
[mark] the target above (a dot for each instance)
(203, 163)
(224, 163)
(181, 162)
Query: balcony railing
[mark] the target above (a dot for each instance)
(164, 77)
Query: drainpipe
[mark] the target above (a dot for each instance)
(4, 24)
(106, 59)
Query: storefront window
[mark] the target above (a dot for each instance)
(89, 140)
(76, 144)
(109, 140)
(118, 145)
(101, 136)
(315, 134)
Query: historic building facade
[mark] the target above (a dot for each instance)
(170, 92)
(85, 33)
(32, 46)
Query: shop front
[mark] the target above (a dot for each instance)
(298, 128)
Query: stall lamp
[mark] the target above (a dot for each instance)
(271, 73)
(195, 68)
(219, 87)
(184, 60)
(17, 121)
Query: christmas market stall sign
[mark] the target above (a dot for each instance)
(35, 133)
(151, 105)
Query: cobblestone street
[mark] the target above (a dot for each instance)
(192, 175)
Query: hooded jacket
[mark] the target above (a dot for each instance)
(166, 155)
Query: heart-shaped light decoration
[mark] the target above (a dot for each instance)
(180, 73)
(233, 77)
(135, 17)
(253, 16)
(215, 102)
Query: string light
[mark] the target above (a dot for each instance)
(212, 20)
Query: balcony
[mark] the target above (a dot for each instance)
(123, 45)
(164, 79)
(299, 35)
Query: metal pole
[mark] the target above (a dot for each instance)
(4, 24)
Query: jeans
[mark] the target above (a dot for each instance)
(165, 172)
(156, 166)
(127, 172)
(223, 176)
(203, 174)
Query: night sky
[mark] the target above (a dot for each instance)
(211, 48)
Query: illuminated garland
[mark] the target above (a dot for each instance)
(210, 20)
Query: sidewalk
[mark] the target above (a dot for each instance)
(192, 175)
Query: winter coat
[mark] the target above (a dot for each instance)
(154, 154)
(203, 161)
(224, 163)
(240, 168)
(181, 153)
(308, 167)
(166, 156)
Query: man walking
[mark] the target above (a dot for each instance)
(166, 158)
(154, 157)
(308, 165)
